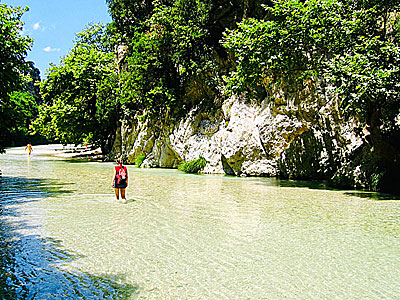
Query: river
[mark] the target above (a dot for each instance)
(180, 236)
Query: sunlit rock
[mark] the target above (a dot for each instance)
(290, 134)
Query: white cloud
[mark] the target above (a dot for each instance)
(49, 49)
(36, 26)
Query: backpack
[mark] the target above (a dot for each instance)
(120, 174)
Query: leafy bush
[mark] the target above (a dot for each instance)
(193, 166)
(139, 160)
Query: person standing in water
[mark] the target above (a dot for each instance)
(120, 180)
(29, 147)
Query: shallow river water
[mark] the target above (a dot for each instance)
(64, 236)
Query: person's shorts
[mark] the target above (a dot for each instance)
(121, 185)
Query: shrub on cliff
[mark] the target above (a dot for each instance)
(193, 166)
(139, 160)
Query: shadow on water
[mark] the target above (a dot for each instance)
(33, 267)
(81, 160)
(373, 196)
(323, 185)
(288, 183)
(311, 184)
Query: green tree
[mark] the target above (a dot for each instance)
(128, 15)
(22, 109)
(80, 94)
(13, 50)
(168, 58)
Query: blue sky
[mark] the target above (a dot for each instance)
(53, 25)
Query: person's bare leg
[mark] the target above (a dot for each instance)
(117, 193)
(123, 195)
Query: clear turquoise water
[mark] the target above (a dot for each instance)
(64, 236)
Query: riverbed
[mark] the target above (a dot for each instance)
(180, 236)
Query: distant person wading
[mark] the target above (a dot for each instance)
(120, 180)
(29, 148)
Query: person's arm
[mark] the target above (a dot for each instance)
(112, 181)
(127, 177)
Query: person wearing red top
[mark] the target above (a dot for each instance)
(120, 180)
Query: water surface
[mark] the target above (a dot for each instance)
(182, 236)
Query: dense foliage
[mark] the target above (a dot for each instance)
(303, 40)
(139, 160)
(167, 58)
(17, 105)
(80, 94)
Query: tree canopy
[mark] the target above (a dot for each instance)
(175, 59)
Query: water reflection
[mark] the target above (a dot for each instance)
(33, 267)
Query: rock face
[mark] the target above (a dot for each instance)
(293, 135)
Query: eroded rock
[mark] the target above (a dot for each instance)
(295, 135)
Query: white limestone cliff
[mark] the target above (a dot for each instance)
(247, 139)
